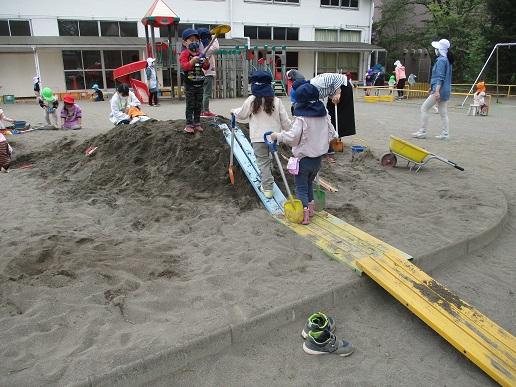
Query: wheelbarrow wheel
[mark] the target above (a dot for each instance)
(389, 160)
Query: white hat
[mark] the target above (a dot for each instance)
(397, 63)
(150, 61)
(443, 44)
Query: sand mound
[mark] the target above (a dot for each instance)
(145, 160)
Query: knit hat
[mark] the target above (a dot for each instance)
(190, 32)
(307, 102)
(294, 75)
(261, 84)
(47, 94)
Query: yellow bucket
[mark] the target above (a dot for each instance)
(371, 98)
(408, 150)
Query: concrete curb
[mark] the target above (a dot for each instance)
(165, 363)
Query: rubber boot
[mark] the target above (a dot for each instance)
(306, 216)
(311, 208)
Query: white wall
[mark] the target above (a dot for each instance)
(52, 70)
(12, 65)
(307, 16)
(306, 63)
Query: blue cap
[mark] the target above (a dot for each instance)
(307, 102)
(261, 84)
(190, 32)
(204, 33)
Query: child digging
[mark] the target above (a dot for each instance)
(192, 66)
(265, 112)
(49, 103)
(71, 114)
(5, 154)
(309, 138)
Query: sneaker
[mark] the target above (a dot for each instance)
(442, 136)
(318, 322)
(330, 152)
(198, 128)
(267, 192)
(325, 343)
(4, 170)
(189, 129)
(419, 134)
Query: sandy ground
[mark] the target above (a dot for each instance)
(89, 281)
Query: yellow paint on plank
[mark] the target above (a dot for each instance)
(436, 315)
(492, 332)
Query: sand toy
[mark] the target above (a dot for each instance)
(293, 207)
(415, 156)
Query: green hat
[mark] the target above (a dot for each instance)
(392, 78)
(47, 94)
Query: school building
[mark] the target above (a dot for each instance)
(77, 44)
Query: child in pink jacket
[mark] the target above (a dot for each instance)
(309, 138)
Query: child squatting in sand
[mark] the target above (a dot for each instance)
(264, 112)
(309, 138)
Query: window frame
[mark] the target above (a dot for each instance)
(256, 35)
(295, 3)
(340, 6)
(9, 28)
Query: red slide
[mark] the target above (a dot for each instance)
(123, 74)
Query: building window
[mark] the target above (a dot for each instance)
(340, 3)
(128, 29)
(292, 60)
(88, 28)
(78, 27)
(84, 68)
(341, 62)
(13, 27)
(275, 1)
(276, 33)
(324, 35)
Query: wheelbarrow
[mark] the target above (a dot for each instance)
(415, 156)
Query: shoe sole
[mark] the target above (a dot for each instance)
(312, 352)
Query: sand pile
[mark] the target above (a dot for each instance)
(145, 160)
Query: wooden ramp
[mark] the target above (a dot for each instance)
(486, 344)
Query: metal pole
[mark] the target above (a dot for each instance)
(479, 74)
(147, 41)
(169, 28)
(497, 91)
(153, 47)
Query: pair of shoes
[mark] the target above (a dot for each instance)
(442, 136)
(320, 339)
(4, 170)
(198, 128)
(306, 216)
(267, 192)
(208, 114)
(311, 208)
(189, 129)
(419, 134)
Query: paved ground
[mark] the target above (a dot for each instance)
(278, 359)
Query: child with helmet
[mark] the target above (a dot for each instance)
(48, 101)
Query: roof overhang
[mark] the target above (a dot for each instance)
(29, 43)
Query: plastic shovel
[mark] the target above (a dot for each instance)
(293, 207)
(230, 168)
(319, 196)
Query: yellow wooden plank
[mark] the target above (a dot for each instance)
(492, 331)
(435, 316)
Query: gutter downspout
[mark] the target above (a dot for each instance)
(36, 63)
